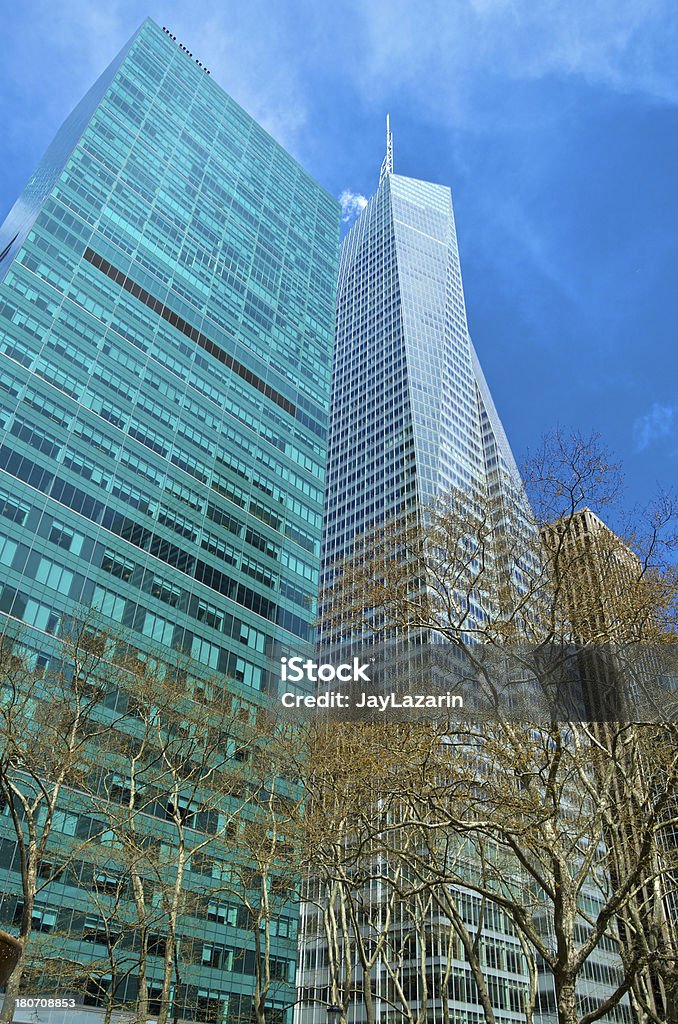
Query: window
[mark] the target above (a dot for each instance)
(217, 956)
(158, 629)
(7, 550)
(157, 945)
(43, 920)
(62, 821)
(65, 537)
(38, 615)
(223, 913)
(12, 509)
(54, 575)
(108, 884)
(96, 930)
(210, 1006)
(108, 603)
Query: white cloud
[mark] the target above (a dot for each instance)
(443, 52)
(352, 204)
(252, 54)
(659, 423)
(253, 57)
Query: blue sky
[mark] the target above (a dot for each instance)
(555, 124)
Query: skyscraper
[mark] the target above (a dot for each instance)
(166, 312)
(412, 416)
(411, 420)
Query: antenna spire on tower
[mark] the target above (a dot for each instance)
(387, 166)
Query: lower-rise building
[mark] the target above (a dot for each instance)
(617, 606)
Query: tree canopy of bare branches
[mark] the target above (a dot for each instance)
(560, 825)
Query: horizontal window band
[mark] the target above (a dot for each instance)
(193, 333)
(61, 490)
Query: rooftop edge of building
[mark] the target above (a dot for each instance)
(149, 23)
(21, 215)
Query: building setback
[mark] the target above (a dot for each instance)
(167, 289)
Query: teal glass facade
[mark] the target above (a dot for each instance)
(167, 286)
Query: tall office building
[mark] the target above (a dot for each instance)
(412, 416)
(166, 313)
(411, 420)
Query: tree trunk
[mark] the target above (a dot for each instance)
(109, 1007)
(566, 1003)
(12, 991)
(448, 906)
(168, 966)
(14, 982)
(368, 997)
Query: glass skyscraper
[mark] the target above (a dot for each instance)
(167, 289)
(412, 419)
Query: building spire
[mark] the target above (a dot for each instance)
(387, 166)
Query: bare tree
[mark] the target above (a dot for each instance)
(382, 915)
(352, 896)
(541, 805)
(263, 849)
(533, 807)
(171, 769)
(51, 718)
(103, 976)
(174, 790)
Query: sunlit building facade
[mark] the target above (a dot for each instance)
(166, 314)
(412, 419)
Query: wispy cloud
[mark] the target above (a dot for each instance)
(444, 51)
(352, 204)
(660, 423)
(253, 55)
(73, 51)
(271, 58)
(256, 59)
